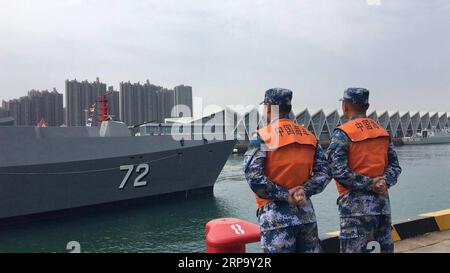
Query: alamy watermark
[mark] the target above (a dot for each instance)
(234, 122)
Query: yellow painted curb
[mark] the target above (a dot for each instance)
(395, 235)
(442, 218)
(333, 234)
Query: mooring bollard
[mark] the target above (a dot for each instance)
(230, 235)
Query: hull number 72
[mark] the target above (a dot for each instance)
(142, 170)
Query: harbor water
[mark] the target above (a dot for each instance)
(178, 225)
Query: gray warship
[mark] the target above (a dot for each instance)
(426, 137)
(51, 169)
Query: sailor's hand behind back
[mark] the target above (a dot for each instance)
(379, 185)
(291, 199)
(300, 197)
(297, 196)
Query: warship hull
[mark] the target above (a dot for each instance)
(427, 141)
(44, 170)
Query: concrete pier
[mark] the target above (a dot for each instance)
(428, 233)
(434, 242)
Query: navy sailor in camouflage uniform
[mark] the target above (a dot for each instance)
(365, 165)
(284, 166)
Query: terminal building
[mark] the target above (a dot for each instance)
(398, 123)
(321, 122)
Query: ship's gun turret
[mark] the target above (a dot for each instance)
(112, 128)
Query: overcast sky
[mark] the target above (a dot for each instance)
(231, 51)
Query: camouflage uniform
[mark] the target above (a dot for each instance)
(364, 215)
(285, 227)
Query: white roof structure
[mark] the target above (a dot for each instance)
(443, 120)
(434, 119)
(374, 116)
(333, 119)
(398, 123)
(323, 122)
(318, 120)
(425, 120)
(304, 118)
(405, 122)
(415, 121)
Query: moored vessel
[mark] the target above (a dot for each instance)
(433, 136)
(57, 168)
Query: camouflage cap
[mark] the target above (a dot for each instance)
(278, 96)
(356, 96)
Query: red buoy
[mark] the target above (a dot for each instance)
(230, 235)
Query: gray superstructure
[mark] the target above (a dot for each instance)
(429, 137)
(56, 168)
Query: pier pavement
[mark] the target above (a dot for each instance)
(435, 242)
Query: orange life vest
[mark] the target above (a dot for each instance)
(290, 159)
(368, 150)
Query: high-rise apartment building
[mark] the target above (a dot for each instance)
(45, 105)
(183, 96)
(166, 102)
(139, 103)
(80, 98)
(37, 105)
(3, 112)
(113, 98)
(134, 104)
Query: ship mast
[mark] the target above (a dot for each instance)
(103, 115)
